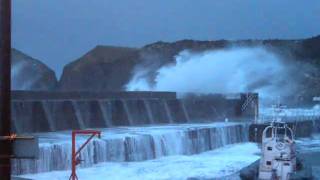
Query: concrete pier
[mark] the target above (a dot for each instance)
(55, 111)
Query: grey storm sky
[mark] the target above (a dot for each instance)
(60, 31)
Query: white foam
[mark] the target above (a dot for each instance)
(217, 163)
(310, 144)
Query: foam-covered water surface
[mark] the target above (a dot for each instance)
(315, 111)
(309, 151)
(290, 114)
(309, 145)
(212, 164)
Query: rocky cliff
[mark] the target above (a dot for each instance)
(110, 68)
(31, 74)
(102, 68)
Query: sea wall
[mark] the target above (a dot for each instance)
(56, 111)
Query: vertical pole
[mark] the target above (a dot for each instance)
(5, 78)
(73, 173)
(256, 113)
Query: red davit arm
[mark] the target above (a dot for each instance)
(75, 153)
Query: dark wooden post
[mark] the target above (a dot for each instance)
(5, 89)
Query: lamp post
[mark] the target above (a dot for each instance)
(5, 88)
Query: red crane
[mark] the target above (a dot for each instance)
(76, 153)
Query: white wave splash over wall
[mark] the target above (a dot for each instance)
(232, 70)
(20, 79)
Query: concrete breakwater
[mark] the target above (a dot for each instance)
(56, 111)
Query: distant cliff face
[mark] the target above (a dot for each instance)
(111, 68)
(30, 74)
(103, 68)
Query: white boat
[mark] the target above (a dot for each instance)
(278, 159)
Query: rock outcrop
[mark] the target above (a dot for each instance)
(110, 68)
(31, 74)
(103, 68)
